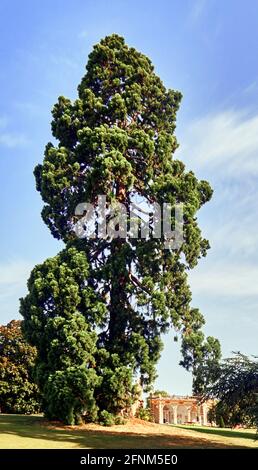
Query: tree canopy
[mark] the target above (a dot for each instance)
(162, 393)
(18, 391)
(235, 385)
(103, 301)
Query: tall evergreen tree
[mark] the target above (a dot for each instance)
(117, 139)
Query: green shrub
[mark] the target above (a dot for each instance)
(145, 414)
(106, 418)
(119, 420)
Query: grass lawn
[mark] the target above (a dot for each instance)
(224, 432)
(27, 432)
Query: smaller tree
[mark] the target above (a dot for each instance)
(200, 355)
(229, 416)
(236, 388)
(60, 313)
(162, 393)
(18, 392)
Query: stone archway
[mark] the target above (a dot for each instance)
(179, 410)
(167, 418)
(194, 414)
(182, 414)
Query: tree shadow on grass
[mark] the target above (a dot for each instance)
(35, 428)
(222, 432)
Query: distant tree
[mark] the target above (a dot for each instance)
(200, 355)
(162, 393)
(18, 391)
(117, 139)
(236, 388)
(225, 415)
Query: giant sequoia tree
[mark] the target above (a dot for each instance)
(96, 312)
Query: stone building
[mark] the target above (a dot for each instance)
(179, 410)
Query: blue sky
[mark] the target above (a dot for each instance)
(204, 48)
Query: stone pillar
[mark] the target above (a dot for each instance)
(204, 410)
(189, 415)
(199, 417)
(175, 414)
(161, 419)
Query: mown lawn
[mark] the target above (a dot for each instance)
(33, 432)
(225, 432)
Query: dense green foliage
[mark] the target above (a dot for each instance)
(145, 414)
(202, 357)
(63, 335)
(18, 391)
(97, 313)
(162, 393)
(226, 416)
(235, 385)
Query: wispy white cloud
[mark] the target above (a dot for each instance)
(236, 238)
(197, 9)
(223, 148)
(11, 140)
(230, 220)
(227, 280)
(14, 272)
(3, 122)
(32, 109)
(13, 280)
(226, 142)
(251, 88)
